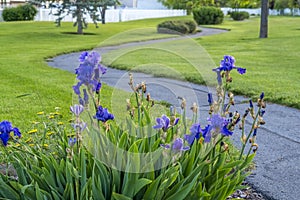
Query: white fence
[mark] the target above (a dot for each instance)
(115, 15)
(286, 11)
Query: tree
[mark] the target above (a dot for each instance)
(244, 3)
(272, 4)
(189, 4)
(264, 19)
(80, 9)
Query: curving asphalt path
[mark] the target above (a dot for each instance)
(277, 172)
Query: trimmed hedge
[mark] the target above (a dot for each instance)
(177, 26)
(20, 13)
(208, 15)
(239, 15)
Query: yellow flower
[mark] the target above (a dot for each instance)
(49, 133)
(51, 117)
(40, 113)
(60, 123)
(28, 140)
(32, 131)
(46, 145)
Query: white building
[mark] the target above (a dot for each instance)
(142, 4)
(5, 3)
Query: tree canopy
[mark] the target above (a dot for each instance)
(189, 4)
(80, 9)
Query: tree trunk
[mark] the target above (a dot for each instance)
(79, 21)
(103, 14)
(264, 19)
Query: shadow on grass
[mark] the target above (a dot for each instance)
(75, 33)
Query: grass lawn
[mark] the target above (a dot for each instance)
(272, 63)
(28, 85)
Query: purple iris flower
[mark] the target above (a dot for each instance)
(85, 73)
(216, 124)
(16, 132)
(5, 127)
(164, 123)
(85, 97)
(207, 133)
(261, 113)
(103, 115)
(255, 132)
(210, 98)
(262, 95)
(77, 109)
(219, 77)
(227, 64)
(5, 130)
(102, 69)
(88, 72)
(250, 103)
(241, 70)
(4, 137)
(83, 56)
(72, 142)
(76, 88)
(177, 146)
(98, 87)
(195, 134)
(93, 58)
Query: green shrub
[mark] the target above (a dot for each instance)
(20, 13)
(239, 15)
(177, 26)
(192, 25)
(208, 15)
(10, 14)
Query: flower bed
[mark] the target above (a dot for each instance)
(170, 158)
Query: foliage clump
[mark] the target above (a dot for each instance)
(208, 15)
(25, 12)
(170, 157)
(177, 27)
(239, 15)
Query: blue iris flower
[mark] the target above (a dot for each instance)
(98, 87)
(195, 134)
(72, 142)
(210, 98)
(164, 123)
(5, 130)
(88, 72)
(85, 97)
(83, 56)
(77, 109)
(227, 64)
(250, 103)
(217, 124)
(103, 115)
(176, 146)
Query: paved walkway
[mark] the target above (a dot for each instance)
(277, 173)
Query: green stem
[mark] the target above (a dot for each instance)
(248, 136)
(139, 108)
(224, 89)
